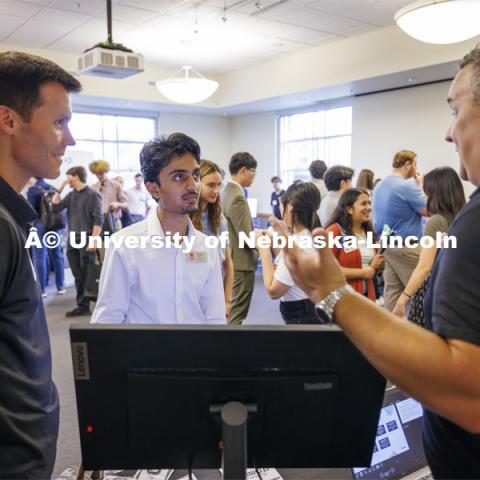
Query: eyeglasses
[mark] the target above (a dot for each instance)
(254, 172)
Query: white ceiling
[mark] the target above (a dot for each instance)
(165, 30)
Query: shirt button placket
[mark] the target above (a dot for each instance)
(179, 261)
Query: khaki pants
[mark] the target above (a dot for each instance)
(243, 282)
(399, 265)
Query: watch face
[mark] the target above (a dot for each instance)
(322, 316)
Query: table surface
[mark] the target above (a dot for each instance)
(286, 474)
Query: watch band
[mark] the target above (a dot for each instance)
(326, 307)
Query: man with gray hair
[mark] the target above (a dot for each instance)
(440, 366)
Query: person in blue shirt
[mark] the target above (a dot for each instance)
(43, 256)
(399, 202)
(276, 197)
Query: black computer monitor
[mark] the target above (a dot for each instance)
(146, 395)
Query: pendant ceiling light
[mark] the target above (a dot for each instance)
(440, 21)
(185, 88)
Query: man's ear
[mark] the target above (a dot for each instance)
(154, 189)
(8, 120)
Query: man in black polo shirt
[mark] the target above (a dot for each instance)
(440, 367)
(34, 116)
(84, 214)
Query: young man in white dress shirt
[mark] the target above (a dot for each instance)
(147, 284)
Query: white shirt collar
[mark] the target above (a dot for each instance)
(154, 227)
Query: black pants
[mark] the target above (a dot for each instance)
(299, 312)
(78, 259)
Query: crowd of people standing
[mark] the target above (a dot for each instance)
(437, 362)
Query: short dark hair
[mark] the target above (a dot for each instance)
(159, 152)
(334, 175)
(317, 169)
(240, 160)
(276, 179)
(473, 58)
(80, 172)
(22, 75)
(138, 175)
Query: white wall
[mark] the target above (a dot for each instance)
(415, 119)
(211, 132)
(256, 134)
(379, 52)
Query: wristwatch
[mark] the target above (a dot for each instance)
(326, 307)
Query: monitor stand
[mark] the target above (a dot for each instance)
(234, 416)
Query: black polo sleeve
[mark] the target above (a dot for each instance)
(456, 295)
(8, 240)
(64, 203)
(96, 208)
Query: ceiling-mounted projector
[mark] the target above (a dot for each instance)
(108, 59)
(104, 60)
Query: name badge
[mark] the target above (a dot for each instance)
(350, 249)
(197, 257)
(274, 202)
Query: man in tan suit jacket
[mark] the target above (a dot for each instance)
(235, 208)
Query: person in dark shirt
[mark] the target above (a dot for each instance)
(84, 214)
(440, 367)
(39, 254)
(43, 256)
(34, 116)
(276, 197)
